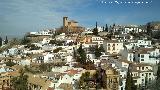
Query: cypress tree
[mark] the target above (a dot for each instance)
(149, 29)
(0, 41)
(95, 30)
(6, 41)
(158, 71)
(106, 28)
(129, 80)
(82, 54)
(103, 29)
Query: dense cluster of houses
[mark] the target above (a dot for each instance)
(120, 50)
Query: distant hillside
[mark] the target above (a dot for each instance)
(155, 25)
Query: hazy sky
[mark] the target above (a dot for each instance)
(20, 16)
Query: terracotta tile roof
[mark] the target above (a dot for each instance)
(71, 72)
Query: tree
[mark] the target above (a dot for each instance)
(74, 53)
(82, 83)
(25, 41)
(32, 47)
(57, 50)
(101, 48)
(82, 55)
(97, 52)
(101, 78)
(20, 82)
(95, 30)
(114, 25)
(106, 28)
(6, 41)
(103, 29)
(0, 41)
(149, 31)
(129, 80)
(58, 43)
(10, 63)
(158, 71)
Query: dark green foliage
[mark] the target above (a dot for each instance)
(10, 63)
(20, 82)
(114, 24)
(32, 47)
(58, 43)
(0, 41)
(57, 50)
(55, 34)
(158, 71)
(97, 52)
(6, 41)
(129, 81)
(82, 55)
(156, 34)
(106, 28)
(101, 48)
(149, 31)
(95, 31)
(74, 53)
(83, 83)
(25, 41)
(101, 79)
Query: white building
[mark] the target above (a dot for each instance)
(112, 46)
(147, 55)
(134, 29)
(98, 40)
(60, 37)
(46, 58)
(142, 74)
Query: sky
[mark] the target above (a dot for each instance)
(20, 16)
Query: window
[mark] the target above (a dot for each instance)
(113, 48)
(149, 73)
(146, 67)
(108, 44)
(142, 74)
(142, 68)
(108, 48)
(142, 56)
(142, 59)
